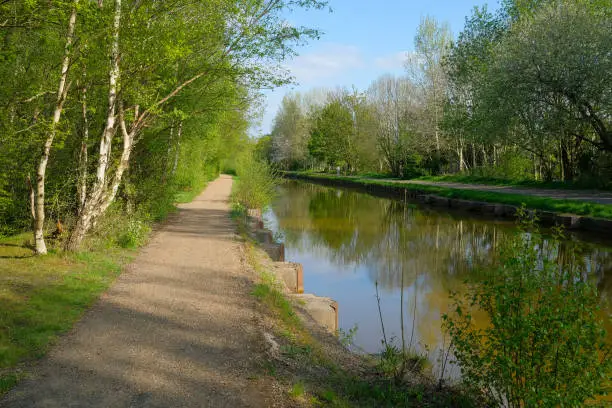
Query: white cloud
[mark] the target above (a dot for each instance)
(329, 62)
(392, 61)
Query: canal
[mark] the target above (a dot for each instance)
(353, 245)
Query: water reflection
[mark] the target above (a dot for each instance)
(348, 241)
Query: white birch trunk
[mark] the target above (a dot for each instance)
(128, 144)
(109, 130)
(91, 206)
(82, 183)
(177, 151)
(39, 209)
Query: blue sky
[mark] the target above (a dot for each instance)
(362, 39)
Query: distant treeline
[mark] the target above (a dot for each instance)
(523, 93)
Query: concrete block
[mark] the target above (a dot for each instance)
(323, 310)
(569, 221)
(474, 206)
(292, 274)
(467, 205)
(264, 236)
(275, 251)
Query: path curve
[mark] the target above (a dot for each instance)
(593, 196)
(177, 329)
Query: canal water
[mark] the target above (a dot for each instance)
(352, 245)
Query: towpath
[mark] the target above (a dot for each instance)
(177, 329)
(594, 196)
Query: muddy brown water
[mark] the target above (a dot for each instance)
(349, 241)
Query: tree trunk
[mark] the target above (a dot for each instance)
(31, 196)
(39, 208)
(566, 164)
(485, 158)
(178, 147)
(92, 206)
(494, 156)
(82, 183)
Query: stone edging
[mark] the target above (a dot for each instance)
(323, 310)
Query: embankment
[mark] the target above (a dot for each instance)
(306, 352)
(548, 211)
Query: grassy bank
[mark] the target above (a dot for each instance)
(538, 203)
(317, 371)
(494, 181)
(42, 297)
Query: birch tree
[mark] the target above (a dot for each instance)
(62, 91)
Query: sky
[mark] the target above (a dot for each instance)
(362, 40)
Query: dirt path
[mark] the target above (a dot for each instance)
(579, 195)
(177, 329)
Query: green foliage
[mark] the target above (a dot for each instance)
(347, 337)
(396, 363)
(523, 93)
(256, 184)
(330, 135)
(189, 74)
(297, 390)
(541, 342)
(135, 234)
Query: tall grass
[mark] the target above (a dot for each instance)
(256, 184)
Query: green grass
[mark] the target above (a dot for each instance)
(187, 194)
(495, 181)
(42, 297)
(532, 202)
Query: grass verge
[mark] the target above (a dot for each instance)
(532, 202)
(42, 297)
(495, 181)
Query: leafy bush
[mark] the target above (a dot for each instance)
(543, 343)
(134, 234)
(256, 184)
(120, 227)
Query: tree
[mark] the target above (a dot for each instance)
(330, 139)
(290, 133)
(560, 58)
(396, 103)
(432, 43)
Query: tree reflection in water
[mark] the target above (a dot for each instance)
(349, 240)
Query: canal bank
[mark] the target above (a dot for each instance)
(571, 214)
(312, 358)
(391, 265)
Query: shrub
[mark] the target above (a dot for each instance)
(256, 184)
(544, 344)
(134, 234)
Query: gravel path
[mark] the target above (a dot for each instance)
(579, 195)
(177, 329)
